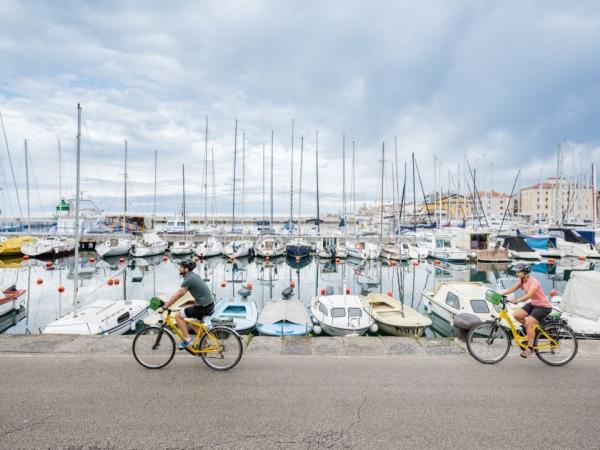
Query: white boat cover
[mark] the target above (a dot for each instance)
(580, 297)
(288, 310)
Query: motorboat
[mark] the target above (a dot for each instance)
(102, 317)
(241, 312)
(340, 315)
(456, 297)
(178, 226)
(298, 248)
(237, 249)
(269, 247)
(518, 248)
(90, 220)
(10, 299)
(209, 247)
(12, 246)
(442, 247)
(545, 245)
(324, 249)
(49, 246)
(115, 246)
(150, 244)
(578, 307)
(284, 317)
(182, 248)
(414, 251)
(362, 249)
(395, 317)
(572, 243)
(395, 252)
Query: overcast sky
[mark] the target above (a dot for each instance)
(500, 83)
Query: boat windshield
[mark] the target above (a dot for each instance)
(354, 312)
(338, 312)
(480, 306)
(443, 243)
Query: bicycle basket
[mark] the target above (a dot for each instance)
(155, 303)
(493, 297)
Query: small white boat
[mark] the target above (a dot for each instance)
(284, 317)
(442, 247)
(114, 247)
(269, 246)
(395, 317)
(572, 243)
(178, 226)
(100, 317)
(237, 249)
(242, 312)
(49, 246)
(580, 309)
(182, 248)
(151, 244)
(363, 249)
(395, 252)
(341, 315)
(415, 251)
(10, 299)
(209, 247)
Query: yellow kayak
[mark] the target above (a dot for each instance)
(12, 246)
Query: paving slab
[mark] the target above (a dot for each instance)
(441, 347)
(402, 345)
(588, 349)
(78, 344)
(264, 346)
(297, 345)
(112, 344)
(364, 346)
(33, 343)
(328, 346)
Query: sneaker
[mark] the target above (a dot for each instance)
(184, 344)
(525, 353)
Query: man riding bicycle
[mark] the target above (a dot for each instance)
(532, 312)
(205, 303)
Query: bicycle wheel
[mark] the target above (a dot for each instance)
(567, 345)
(153, 347)
(488, 342)
(230, 348)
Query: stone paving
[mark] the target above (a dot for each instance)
(264, 346)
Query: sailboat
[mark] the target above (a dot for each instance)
(120, 245)
(183, 247)
(49, 246)
(297, 247)
(101, 316)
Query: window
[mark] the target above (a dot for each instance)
(354, 312)
(322, 309)
(338, 312)
(452, 300)
(479, 306)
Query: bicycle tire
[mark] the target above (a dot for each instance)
(556, 332)
(234, 342)
(145, 341)
(485, 330)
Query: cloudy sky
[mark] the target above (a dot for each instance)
(502, 84)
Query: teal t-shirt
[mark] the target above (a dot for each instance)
(198, 288)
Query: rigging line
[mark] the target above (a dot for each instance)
(11, 165)
(92, 153)
(35, 183)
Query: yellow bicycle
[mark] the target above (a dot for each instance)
(489, 342)
(220, 347)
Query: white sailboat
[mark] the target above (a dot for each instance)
(101, 316)
(269, 246)
(49, 246)
(183, 247)
(151, 244)
(209, 247)
(362, 249)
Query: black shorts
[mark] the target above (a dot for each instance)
(198, 312)
(537, 312)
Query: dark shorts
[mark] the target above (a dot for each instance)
(537, 312)
(198, 312)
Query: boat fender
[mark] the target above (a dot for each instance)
(374, 328)
(317, 329)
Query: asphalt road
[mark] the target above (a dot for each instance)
(109, 401)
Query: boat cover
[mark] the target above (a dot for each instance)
(284, 310)
(516, 243)
(580, 297)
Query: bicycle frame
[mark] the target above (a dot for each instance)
(521, 340)
(215, 347)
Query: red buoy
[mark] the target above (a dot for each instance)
(249, 286)
(292, 284)
(551, 260)
(48, 264)
(61, 289)
(347, 290)
(110, 282)
(117, 281)
(389, 293)
(92, 259)
(553, 293)
(582, 258)
(223, 284)
(165, 258)
(122, 259)
(39, 281)
(25, 257)
(437, 262)
(322, 291)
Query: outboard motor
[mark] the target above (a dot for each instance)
(244, 293)
(287, 293)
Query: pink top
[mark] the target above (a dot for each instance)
(538, 298)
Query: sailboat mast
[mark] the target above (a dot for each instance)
(292, 180)
(77, 181)
(125, 191)
(300, 189)
(317, 171)
(243, 175)
(414, 193)
(154, 203)
(234, 175)
(382, 178)
(271, 183)
(214, 189)
(263, 184)
(183, 192)
(12, 170)
(206, 172)
(27, 184)
(344, 180)
(397, 187)
(353, 188)
(59, 171)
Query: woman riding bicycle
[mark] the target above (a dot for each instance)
(532, 312)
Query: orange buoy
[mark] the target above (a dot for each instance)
(582, 258)
(393, 263)
(292, 284)
(165, 258)
(437, 262)
(121, 259)
(415, 263)
(110, 282)
(48, 264)
(249, 286)
(322, 291)
(553, 293)
(61, 289)
(389, 293)
(223, 284)
(338, 260)
(551, 260)
(39, 281)
(25, 257)
(92, 259)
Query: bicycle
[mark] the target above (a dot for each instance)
(489, 342)
(219, 346)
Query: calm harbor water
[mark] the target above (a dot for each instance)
(142, 278)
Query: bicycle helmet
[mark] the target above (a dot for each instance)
(191, 265)
(521, 267)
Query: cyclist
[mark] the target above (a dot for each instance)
(196, 286)
(532, 312)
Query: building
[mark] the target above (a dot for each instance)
(558, 200)
(496, 204)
